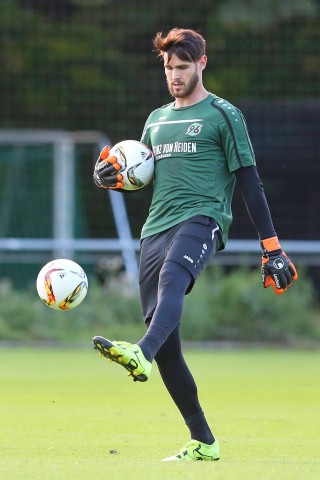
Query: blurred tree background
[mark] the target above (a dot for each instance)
(89, 65)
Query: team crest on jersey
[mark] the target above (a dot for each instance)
(194, 129)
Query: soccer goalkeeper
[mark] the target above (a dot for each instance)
(202, 147)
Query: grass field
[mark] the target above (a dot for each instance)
(64, 411)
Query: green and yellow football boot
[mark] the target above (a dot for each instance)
(195, 451)
(129, 355)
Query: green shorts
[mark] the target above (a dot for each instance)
(190, 243)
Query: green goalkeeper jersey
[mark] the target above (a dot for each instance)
(197, 150)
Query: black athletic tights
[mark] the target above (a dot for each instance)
(163, 343)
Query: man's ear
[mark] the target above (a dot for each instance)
(203, 62)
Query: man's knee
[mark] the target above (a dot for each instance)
(174, 276)
(171, 349)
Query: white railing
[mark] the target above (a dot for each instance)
(63, 244)
(237, 251)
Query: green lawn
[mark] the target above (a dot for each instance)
(64, 410)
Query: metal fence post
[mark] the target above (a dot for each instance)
(64, 196)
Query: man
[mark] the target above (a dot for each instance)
(201, 145)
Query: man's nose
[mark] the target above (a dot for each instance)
(176, 74)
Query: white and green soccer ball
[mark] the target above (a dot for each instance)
(137, 163)
(62, 284)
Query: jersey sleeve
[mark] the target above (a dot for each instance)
(145, 137)
(234, 135)
(255, 200)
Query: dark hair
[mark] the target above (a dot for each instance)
(187, 44)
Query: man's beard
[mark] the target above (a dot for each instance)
(188, 89)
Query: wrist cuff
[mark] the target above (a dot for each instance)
(270, 244)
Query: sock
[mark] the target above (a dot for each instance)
(173, 282)
(199, 428)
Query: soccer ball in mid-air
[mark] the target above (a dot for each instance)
(137, 163)
(62, 284)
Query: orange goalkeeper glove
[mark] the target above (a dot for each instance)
(106, 171)
(277, 269)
